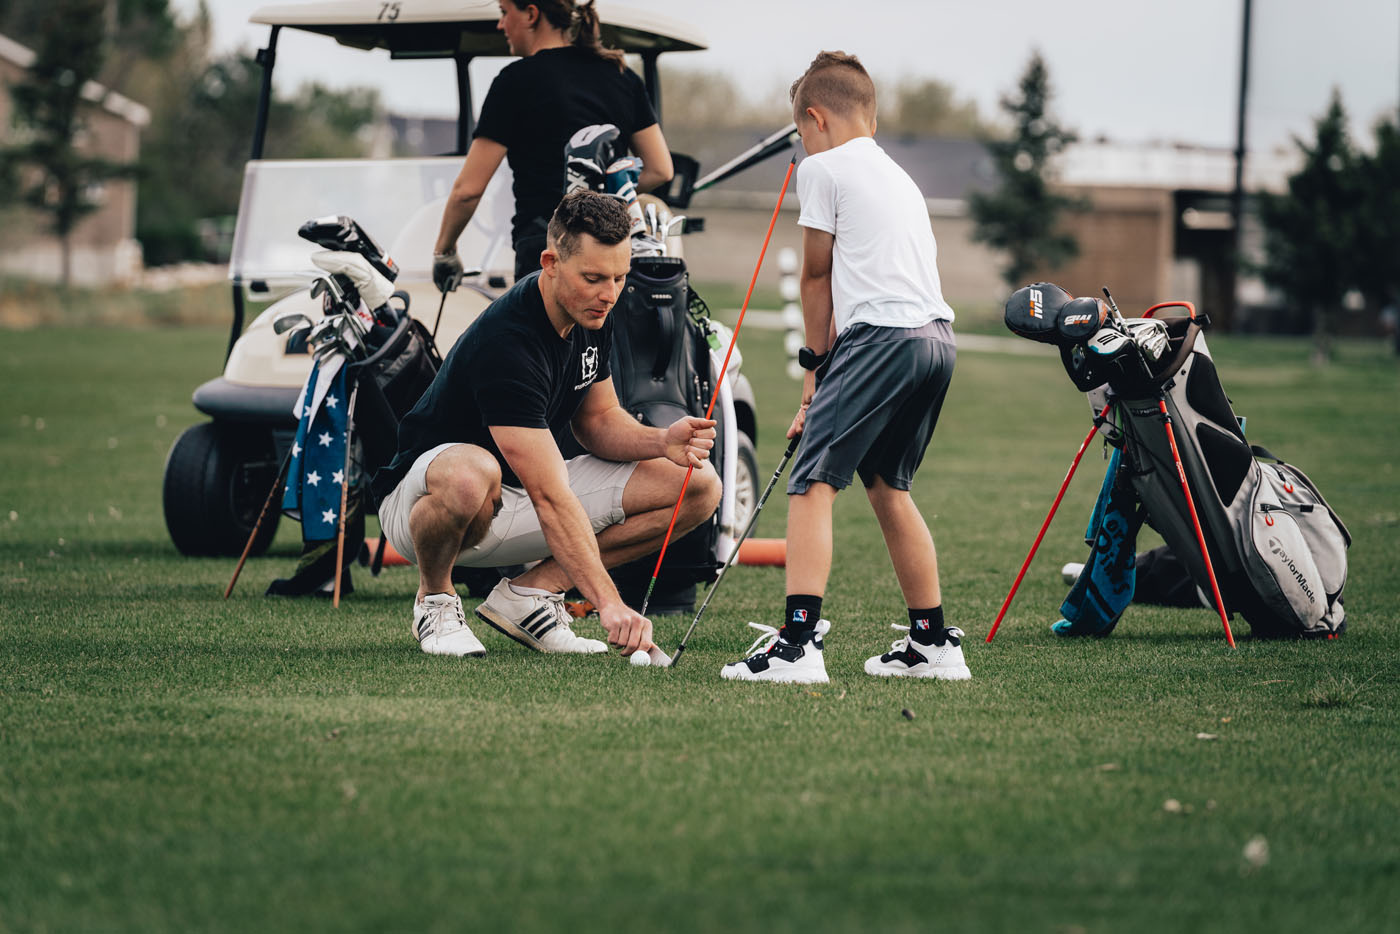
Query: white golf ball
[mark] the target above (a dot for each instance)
(640, 658)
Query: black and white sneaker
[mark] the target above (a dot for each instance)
(909, 659)
(773, 658)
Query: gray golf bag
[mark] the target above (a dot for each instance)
(1278, 551)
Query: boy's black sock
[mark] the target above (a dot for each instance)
(926, 626)
(803, 611)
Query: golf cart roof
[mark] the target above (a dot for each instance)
(446, 28)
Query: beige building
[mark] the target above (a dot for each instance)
(104, 249)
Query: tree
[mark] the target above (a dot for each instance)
(929, 107)
(1021, 217)
(1311, 233)
(1378, 220)
(51, 169)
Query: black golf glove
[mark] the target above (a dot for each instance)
(447, 271)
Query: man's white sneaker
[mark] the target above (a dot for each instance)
(440, 626)
(537, 621)
(773, 658)
(909, 659)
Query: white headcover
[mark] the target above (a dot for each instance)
(371, 284)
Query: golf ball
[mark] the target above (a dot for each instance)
(640, 658)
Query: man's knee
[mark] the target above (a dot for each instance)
(466, 480)
(704, 494)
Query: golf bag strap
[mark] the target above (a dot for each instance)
(1188, 343)
(1261, 451)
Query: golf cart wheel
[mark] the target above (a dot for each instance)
(216, 481)
(747, 485)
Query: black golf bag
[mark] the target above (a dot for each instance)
(661, 370)
(1277, 550)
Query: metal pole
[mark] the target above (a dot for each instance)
(267, 58)
(1237, 193)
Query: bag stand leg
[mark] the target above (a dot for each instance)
(1196, 522)
(267, 504)
(344, 496)
(1098, 422)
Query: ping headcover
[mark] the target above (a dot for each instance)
(374, 289)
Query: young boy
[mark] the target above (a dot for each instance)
(879, 357)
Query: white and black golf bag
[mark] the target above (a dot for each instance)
(1278, 551)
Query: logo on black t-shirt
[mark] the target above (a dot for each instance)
(588, 364)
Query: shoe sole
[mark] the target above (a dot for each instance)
(511, 631)
(475, 654)
(940, 674)
(810, 679)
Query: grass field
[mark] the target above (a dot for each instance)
(171, 761)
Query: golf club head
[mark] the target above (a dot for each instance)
(289, 320)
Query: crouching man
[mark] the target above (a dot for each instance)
(479, 480)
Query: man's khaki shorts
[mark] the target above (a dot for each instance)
(515, 536)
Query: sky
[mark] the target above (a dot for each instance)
(1127, 70)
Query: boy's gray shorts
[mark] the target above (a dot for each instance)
(876, 406)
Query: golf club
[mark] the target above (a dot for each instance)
(714, 396)
(289, 320)
(252, 536)
(344, 498)
(748, 529)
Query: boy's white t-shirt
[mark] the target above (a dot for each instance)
(884, 262)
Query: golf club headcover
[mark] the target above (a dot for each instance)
(1080, 318)
(587, 156)
(1032, 312)
(372, 286)
(621, 182)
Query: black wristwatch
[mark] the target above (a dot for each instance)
(809, 359)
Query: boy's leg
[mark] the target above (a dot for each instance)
(909, 543)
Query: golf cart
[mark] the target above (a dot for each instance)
(218, 473)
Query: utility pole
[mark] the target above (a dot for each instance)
(1237, 193)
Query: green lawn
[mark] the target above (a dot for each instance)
(171, 761)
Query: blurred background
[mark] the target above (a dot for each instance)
(1242, 155)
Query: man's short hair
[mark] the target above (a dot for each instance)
(602, 217)
(837, 82)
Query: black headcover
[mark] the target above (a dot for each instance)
(338, 232)
(1033, 311)
(1079, 319)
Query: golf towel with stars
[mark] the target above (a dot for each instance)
(317, 469)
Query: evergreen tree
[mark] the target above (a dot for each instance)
(1311, 234)
(50, 168)
(1378, 242)
(1021, 217)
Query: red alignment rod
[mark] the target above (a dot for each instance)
(1200, 537)
(1046, 524)
(734, 340)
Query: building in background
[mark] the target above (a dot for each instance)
(104, 248)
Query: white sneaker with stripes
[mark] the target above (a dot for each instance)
(537, 621)
(441, 628)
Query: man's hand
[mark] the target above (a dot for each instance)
(689, 440)
(809, 389)
(447, 271)
(628, 630)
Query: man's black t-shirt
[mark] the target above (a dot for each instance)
(510, 368)
(537, 103)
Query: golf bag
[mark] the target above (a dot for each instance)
(662, 371)
(1277, 550)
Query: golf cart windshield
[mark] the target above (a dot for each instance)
(398, 201)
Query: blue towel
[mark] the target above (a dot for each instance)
(1105, 586)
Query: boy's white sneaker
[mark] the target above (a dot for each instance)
(440, 626)
(773, 658)
(909, 659)
(537, 621)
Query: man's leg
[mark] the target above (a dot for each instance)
(464, 492)
(647, 501)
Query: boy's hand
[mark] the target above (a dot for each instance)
(809, 389)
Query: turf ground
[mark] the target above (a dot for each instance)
(171, 761)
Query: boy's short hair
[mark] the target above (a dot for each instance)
(837, 82)
(602, 217)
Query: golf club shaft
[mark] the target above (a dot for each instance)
(438, 319)
(1196, 522)
(733, 341)
(271, 495)
(1050, 515)
(344, 497)
(734, 553)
